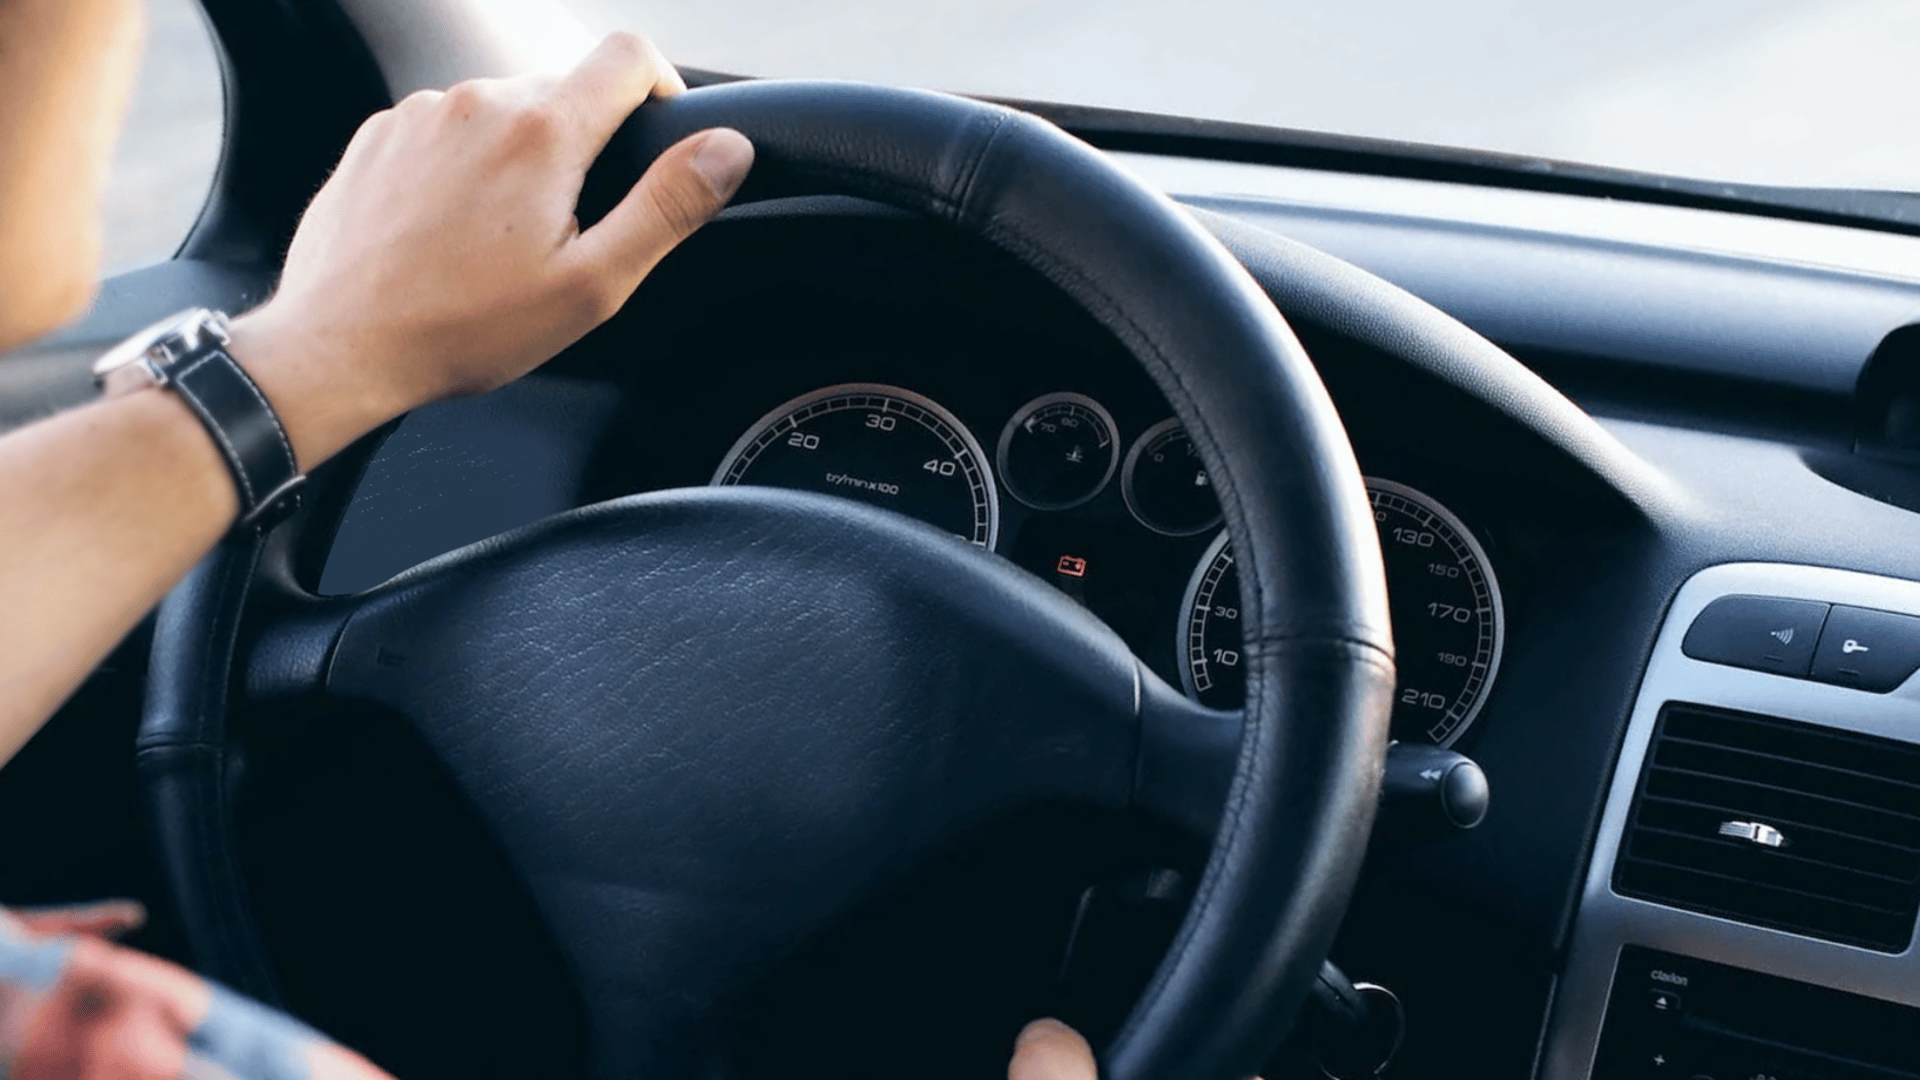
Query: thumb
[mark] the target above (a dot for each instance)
(1050, 1050)
(684, 187)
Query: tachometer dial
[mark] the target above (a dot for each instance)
(1165, 485)
(878, 444)
(1058, 451)
(1448, 626)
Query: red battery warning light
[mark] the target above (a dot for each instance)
(1072, 566)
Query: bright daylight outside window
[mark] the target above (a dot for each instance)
(169, 144)
(1761, 91)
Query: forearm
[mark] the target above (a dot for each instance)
(106, 507)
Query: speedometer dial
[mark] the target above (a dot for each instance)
(1448, 627)
(878, 444)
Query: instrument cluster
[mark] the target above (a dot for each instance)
(1127, 523)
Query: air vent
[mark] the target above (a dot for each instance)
(1778, 824)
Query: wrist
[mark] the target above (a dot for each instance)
(167, 430)
(306, 373)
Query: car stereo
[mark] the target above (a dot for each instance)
(1673, 1016)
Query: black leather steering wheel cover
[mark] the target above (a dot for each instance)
(1317, 641)
(186, 764)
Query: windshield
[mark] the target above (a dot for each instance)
(1779, 92)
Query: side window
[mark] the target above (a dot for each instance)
(169, 141)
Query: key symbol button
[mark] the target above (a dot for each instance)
(1867, 649)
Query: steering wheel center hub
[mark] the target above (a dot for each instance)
(673, 711)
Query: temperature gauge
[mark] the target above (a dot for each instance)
(1058, 451)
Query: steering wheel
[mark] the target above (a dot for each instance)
(681, 816)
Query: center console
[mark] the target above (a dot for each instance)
(1750, 908)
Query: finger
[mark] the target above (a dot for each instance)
(106, 919)
(670, 82)
(620, 73)
(331, 1061)
(680, 192)
(1050, 1050)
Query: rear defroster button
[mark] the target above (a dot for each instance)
(1867, 649)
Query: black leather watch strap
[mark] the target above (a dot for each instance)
(247, 431)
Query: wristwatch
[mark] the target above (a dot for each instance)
(187, 353)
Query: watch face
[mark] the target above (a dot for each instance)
(186, 325)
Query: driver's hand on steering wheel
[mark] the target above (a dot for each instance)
(443, 257)
(1050, 1050)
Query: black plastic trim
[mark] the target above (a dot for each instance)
(281, 137)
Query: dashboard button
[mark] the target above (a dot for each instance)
(1867, 649)
(1765, 633)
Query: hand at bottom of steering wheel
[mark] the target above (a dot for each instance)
(1050, 1050)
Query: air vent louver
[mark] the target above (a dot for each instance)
(1778, 824)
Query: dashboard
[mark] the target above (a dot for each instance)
(1545, 562)
(840, 348)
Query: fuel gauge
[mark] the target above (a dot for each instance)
(1058, 451)
(1165, 485)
